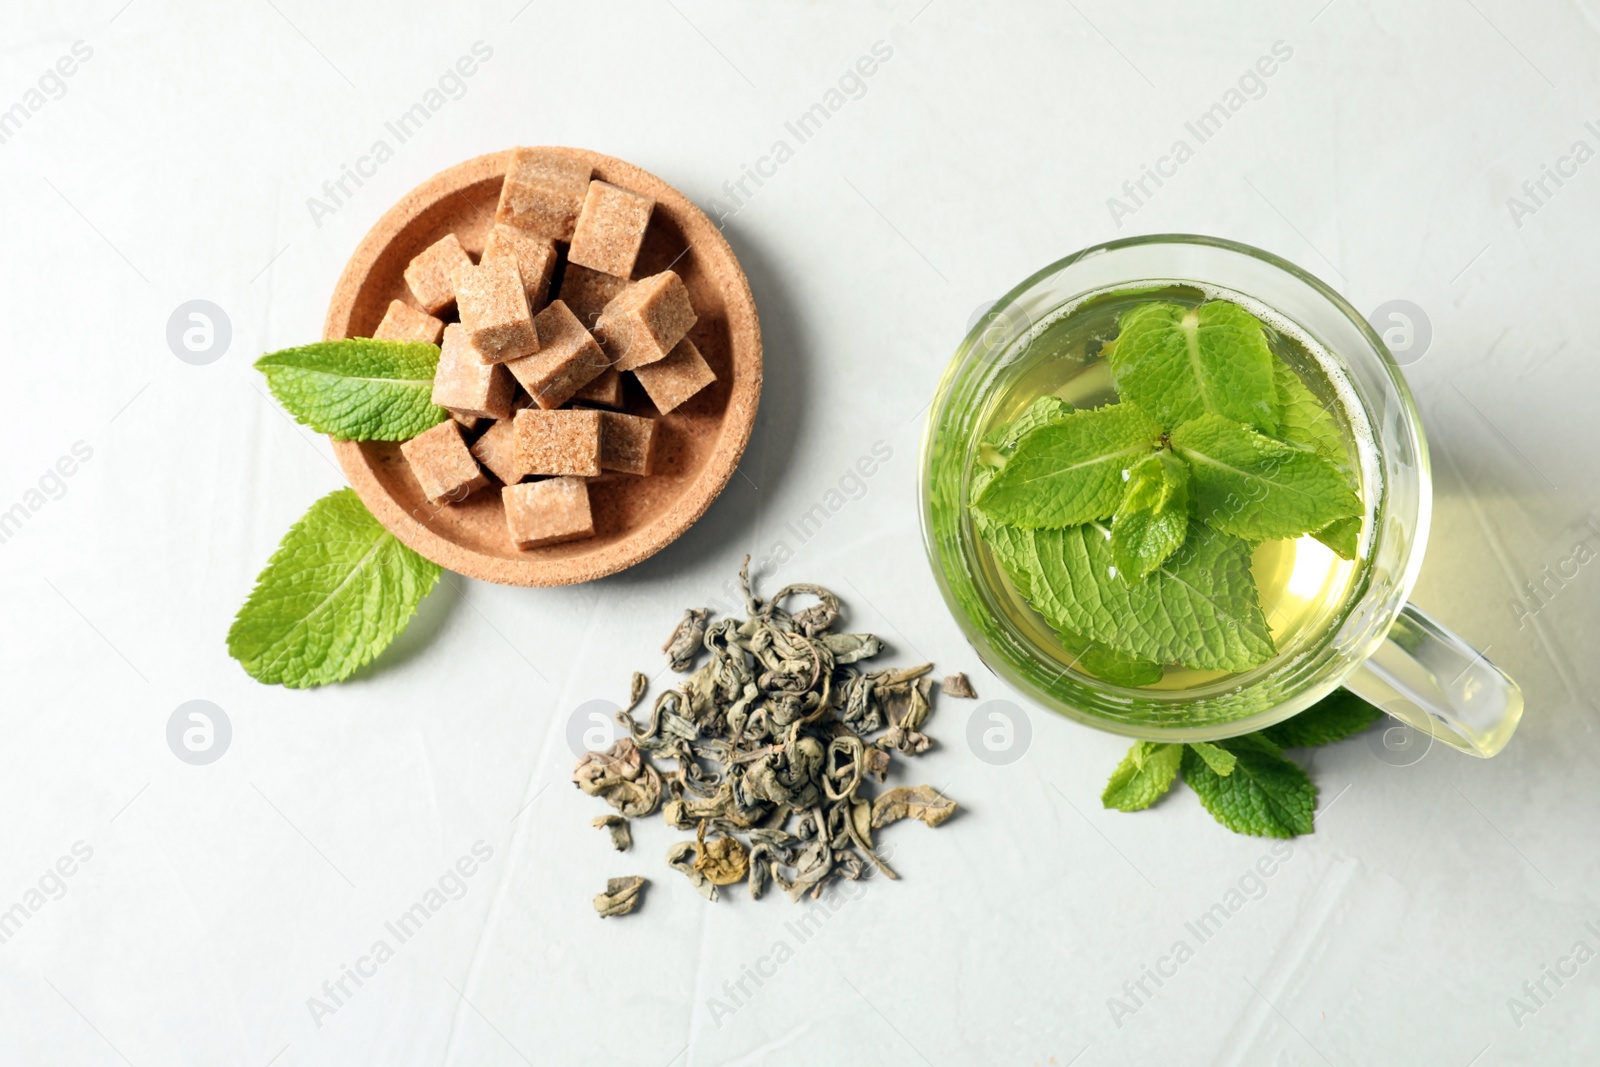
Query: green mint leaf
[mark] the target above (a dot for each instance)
(1254, 487)
(1153, 518)
(1343, 536)
(1143, 777)
(1112, 666)
(1198, 609)
(1041, 412)
(1338, 715)
(1307, 422)
(1219, 759)
(1179, 363)
(1304, 420)
(1265, 796)
(338, 589)
(1069, 470)
(359, 389)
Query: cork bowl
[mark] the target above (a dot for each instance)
(698, 444)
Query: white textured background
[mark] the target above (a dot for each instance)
(177, 164)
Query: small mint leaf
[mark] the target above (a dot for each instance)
(1304, 420)
(1254, 487)
(1218, 759)
(338, 589)
(1109, 665)
(1179, 363)
(1069, 470)
(1198, 609)
(1143, 777)
(359, 389)
(1265, 796)
(1041, 412)
(1338, 715)
(1153, 518)
(1343, 536)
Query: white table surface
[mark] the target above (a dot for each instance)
(177, 163)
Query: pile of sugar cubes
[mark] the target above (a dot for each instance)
(533, 384)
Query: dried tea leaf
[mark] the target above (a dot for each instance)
(722, 860)
(959, 685)
(912, 802)
(622, 895)
(621, 838)
(687, 640)
(621, 777)
(684, 856)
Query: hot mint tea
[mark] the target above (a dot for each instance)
(1169, 490)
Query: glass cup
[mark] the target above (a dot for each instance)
(1374, 643)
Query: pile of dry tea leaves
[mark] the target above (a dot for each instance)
(774, 739)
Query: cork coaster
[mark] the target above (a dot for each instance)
(698, 444)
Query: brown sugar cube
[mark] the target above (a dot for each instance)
(558, 442)
(494, 309)
(675, 379)
(402, 322)
(610, 229)
(547, 512)
(626, 442)
(466, 422)
(468, 384)
(497, 451)
(443, 466)
(535, 256)
(568, 359)
(644, 321)
(543, 193)
(605, 390)
(428, 275)
(587, 292)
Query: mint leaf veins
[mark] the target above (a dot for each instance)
(358, 389)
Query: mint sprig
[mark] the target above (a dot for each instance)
(358, 389)
(337, 591)
(1245, 782)
(1187, 469)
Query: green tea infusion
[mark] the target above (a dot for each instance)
(1170, 487)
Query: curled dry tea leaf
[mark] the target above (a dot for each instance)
(621, 839)
(722, 859)
(622, 895)
(685, 857)
(769, 746)
(959, 685)
(687, 640)
(621, 777)
(912, 802)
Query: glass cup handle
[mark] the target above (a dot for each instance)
(1430, 679)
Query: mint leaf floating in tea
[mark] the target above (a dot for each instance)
(1305, 420)
(1255, 487)
(1198, 609)
(1265, 795)
(1070, 470)
(1143, 777)
(335, 594)
(768, 749)
(1343, 536)
(1179, 363)
(358, 389)
(1338, 715)
(1153, 518)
